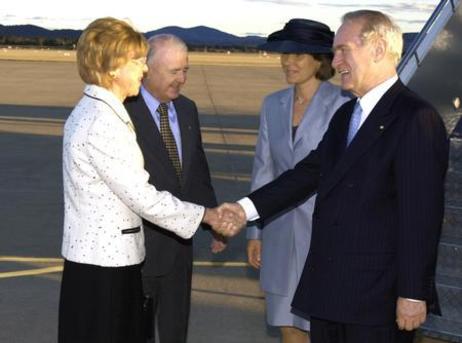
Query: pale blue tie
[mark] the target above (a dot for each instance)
(354, 122)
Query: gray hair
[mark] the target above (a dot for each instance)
(159, 41)
(376, 25)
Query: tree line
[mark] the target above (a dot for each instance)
(62, 43)
(69, 44)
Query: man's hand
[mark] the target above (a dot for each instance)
(218, 243)
(226, 220)
(254, 252)
(410, 314)
(215, 219)
(232, 213)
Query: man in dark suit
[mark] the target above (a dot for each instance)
(379, 175)
(171, 143)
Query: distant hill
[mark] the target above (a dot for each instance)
(206, 36)
(195, 36)
(31, 31)
(198, 36)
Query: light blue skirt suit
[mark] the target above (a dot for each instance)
(286, 238)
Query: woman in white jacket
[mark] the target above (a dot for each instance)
(106, 192)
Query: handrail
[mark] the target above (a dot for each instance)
(422, 44)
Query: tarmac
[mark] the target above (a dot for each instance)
(35, 100)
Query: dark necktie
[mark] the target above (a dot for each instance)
(169, 140)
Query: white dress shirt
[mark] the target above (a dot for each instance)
(106, 189)
(152, 103)
(371, 98)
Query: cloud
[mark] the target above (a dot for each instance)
(413, 21)
(7, 17)
(390, 7)
(259, 34)
(283, 2)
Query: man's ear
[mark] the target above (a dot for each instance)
(380, 49)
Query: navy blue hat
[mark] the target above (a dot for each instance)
(301, 36)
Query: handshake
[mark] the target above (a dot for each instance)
(228, 219)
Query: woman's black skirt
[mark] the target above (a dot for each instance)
(100, 304)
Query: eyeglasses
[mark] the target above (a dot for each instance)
(139, 61)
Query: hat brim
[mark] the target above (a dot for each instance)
(292, 47)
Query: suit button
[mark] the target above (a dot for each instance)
(350, 185)
(330, 259)
(310, 268)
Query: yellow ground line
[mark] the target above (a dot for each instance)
(33, 119)
(231, 152)
(207, 129)
(60, 260)
(30, 259)
(56, 269)
(228, 130)
(30, 272)
(220, 264)
(223, 176)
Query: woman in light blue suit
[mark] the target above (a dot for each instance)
(293, 121)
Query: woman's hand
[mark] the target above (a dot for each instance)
(254, 252)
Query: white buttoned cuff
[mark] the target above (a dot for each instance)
(251, 212)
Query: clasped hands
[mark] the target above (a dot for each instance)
(228, 219)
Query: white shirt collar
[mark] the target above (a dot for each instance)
(371, 98)
(152, 102)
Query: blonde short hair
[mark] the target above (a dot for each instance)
(104, 46)
(378, 25)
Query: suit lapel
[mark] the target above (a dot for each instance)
(285, 121)
(375, 125)
(314, 121)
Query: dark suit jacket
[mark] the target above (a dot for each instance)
(378, 212)
(162, 246)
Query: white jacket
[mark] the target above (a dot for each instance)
(106, 189)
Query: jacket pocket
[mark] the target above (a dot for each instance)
(132, 230)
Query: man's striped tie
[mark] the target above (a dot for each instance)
(169, 140)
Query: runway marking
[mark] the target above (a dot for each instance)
(235, 130)
(30, 272)
(231, 151)
(220, 264)
(36, 126)
(229, 177)
(211, 135)
(31, 259)
(32, 119)
(59, 268)
(54, 127)
(62, 121)
(228, 294)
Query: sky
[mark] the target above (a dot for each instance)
(238, 17)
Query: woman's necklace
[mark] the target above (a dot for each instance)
(300, 100)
